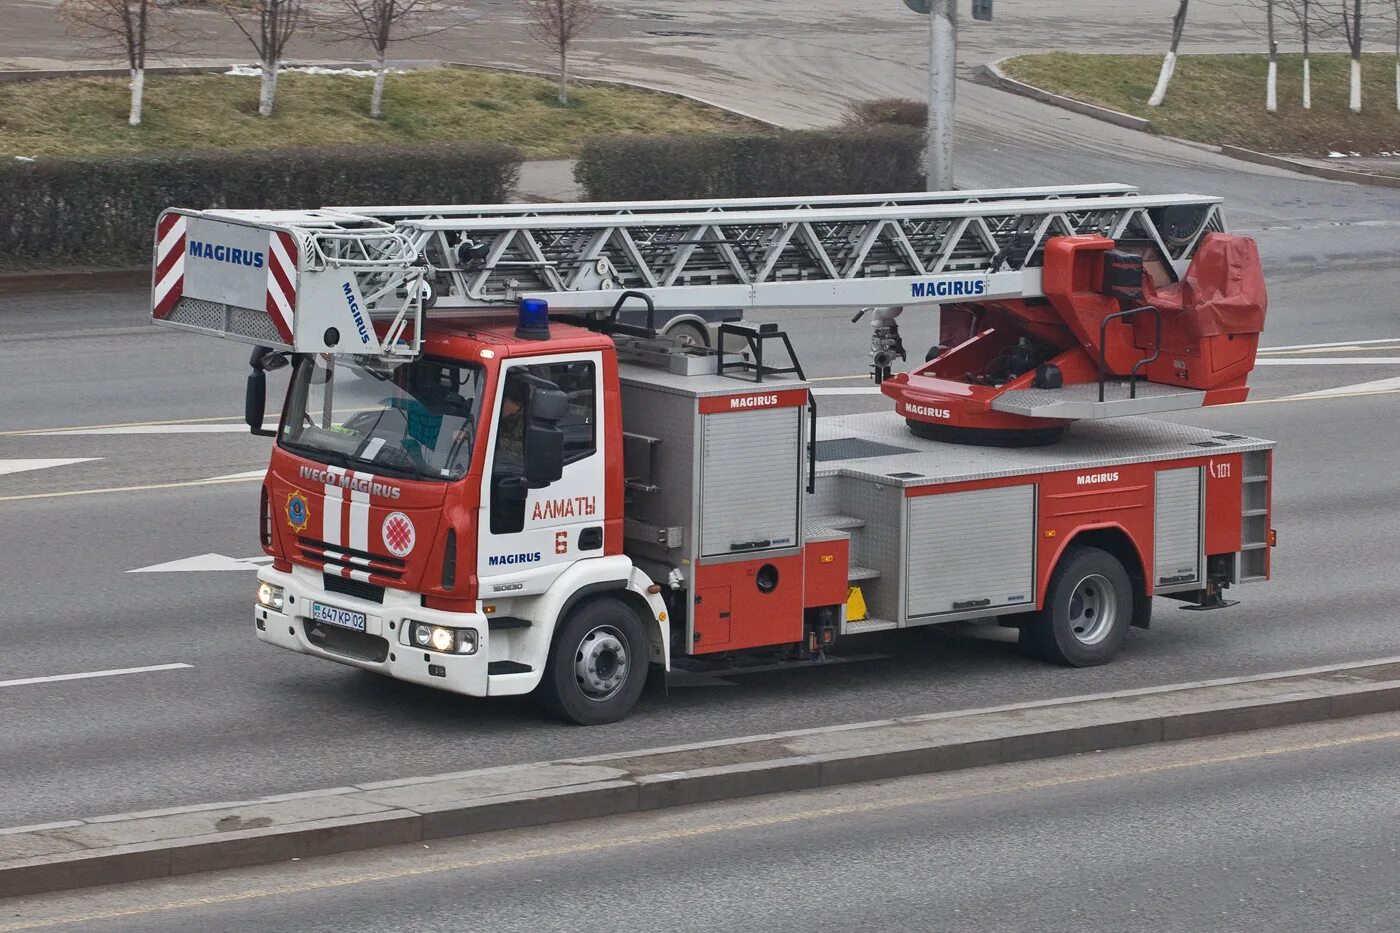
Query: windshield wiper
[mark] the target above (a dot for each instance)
(387, 469)
(319, 454)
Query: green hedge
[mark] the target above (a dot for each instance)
(810, 162)
(888, 111)
(102, 211)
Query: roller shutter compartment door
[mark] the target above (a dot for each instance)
(749, 480)
(971, 550)
(1176, 535)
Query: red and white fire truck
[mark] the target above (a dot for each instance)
(490, 479)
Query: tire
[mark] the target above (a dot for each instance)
(1088, 610)
(688, 334)
(598, 665)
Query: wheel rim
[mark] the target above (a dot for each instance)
(1093, 609)
(600, 663)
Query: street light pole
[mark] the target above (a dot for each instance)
(942, 85)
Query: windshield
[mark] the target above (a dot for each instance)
(420, 420)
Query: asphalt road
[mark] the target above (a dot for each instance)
(1227, 835)
(244, 720)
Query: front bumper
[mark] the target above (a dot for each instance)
(383, 647)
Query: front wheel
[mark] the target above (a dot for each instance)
(1088, 609)
(598, 665)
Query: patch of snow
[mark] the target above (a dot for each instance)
(1336, 155)
(24, 158)
(253, 71)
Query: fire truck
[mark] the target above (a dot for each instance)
(493, 476)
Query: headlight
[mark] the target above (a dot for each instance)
(445, 640)
(270, 596)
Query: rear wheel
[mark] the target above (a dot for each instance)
(1088, 609)
(598, 665)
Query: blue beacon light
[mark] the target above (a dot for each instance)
(533, 322)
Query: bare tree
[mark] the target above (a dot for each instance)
(1271, 92)
(1300, 11)
(555, 24)
(1395, 6)
(1164, 77)
(1352, 12)
(130, 28)
(268, 25)
(381, 22)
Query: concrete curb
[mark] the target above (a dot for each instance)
(992, 71)
(1319, 171)
(67, 280)
(206, 837)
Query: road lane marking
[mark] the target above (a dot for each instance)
(1325, 346)
(93, 492)
(186, 428)
(1378, 387)
(55, 678)
(22, 466)
(692, 832)
(1345, 348)
(120, 424)
(1328, 361)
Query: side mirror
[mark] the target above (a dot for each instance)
(544, 439)
(255, 394)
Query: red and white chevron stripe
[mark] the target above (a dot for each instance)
(169, 281)
(282, 283)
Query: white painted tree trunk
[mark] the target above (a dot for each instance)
(376, 100)
(1164, 77)
(1271, 102)
(1355, 85)
(563, 76)
(138, 91)
(269, 88)
(1307, 84)
(1397, 83)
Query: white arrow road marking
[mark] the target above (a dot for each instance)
(251, 474)
(23, 681)
(238, 428)
(1380, 385)
(20, 466)
(205, 562)
(1329, 361)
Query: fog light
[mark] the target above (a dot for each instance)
(466, 641)
(270, 596)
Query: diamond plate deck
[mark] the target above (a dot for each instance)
(1088, 445)
(1081, 402)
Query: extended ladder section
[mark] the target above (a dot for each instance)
(357, 280)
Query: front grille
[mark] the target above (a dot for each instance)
(356, 588)
(334, 556)
(343, 641)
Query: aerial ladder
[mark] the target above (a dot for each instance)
(1059, 304)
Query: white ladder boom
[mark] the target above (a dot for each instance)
(331, 273)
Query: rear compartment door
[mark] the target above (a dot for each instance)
(971, 551)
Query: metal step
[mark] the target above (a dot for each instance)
(835, 523)
(869, 625)
(856, 574)
(1081, 402)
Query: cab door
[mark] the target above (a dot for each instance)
(527, 537)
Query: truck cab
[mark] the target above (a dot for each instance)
(433, 519)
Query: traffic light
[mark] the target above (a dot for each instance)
(982, 9)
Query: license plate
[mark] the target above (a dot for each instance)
(336, 616)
